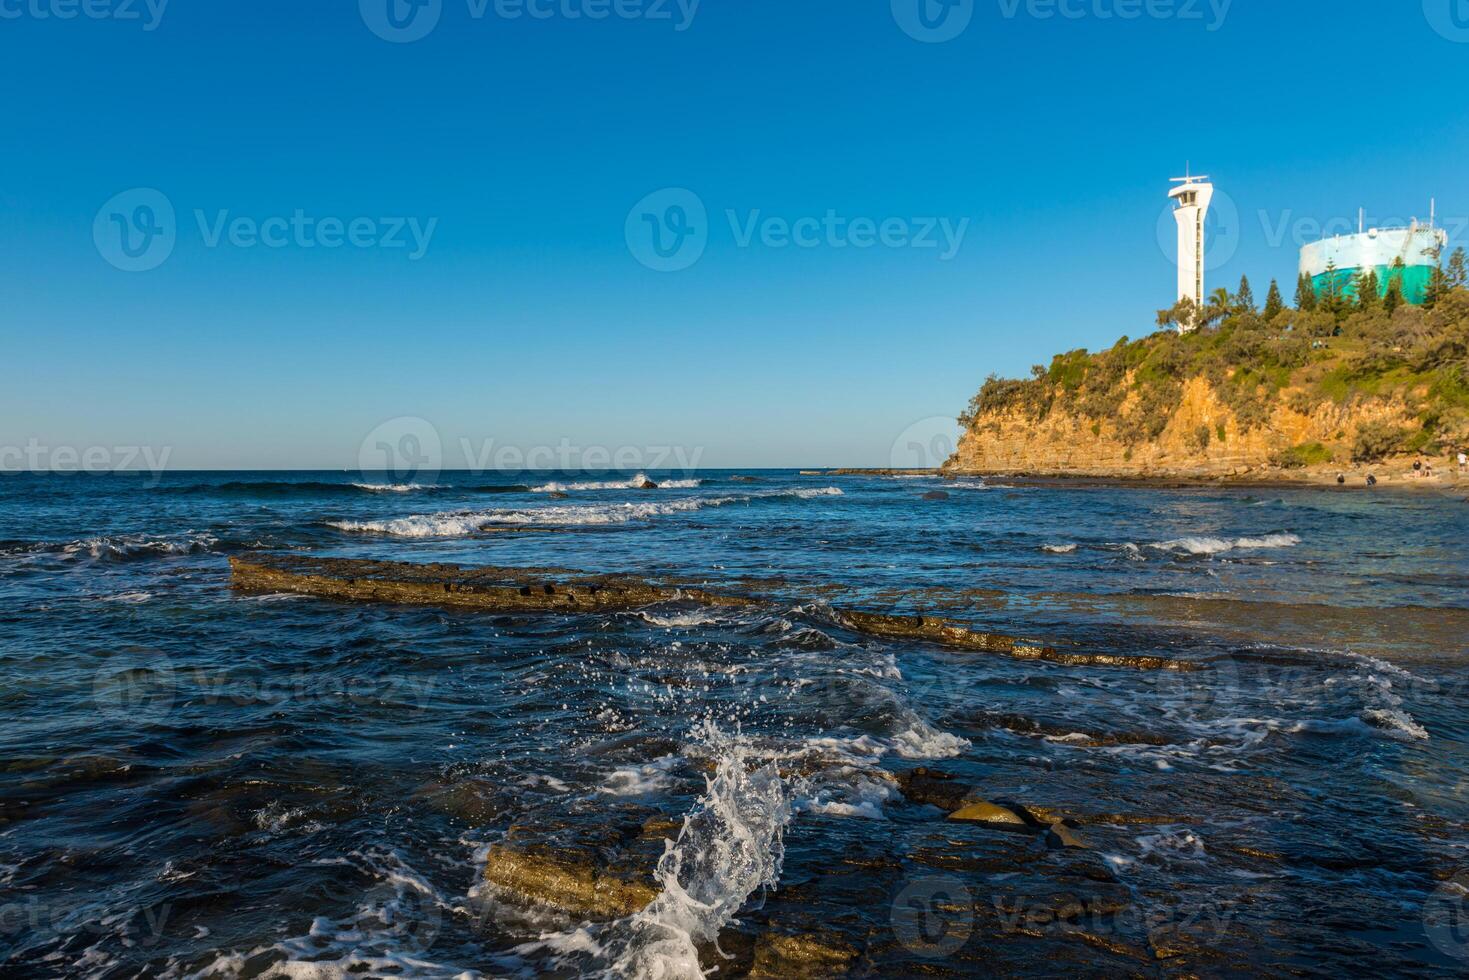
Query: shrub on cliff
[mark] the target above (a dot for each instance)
(1377, 441)
(1333, 352)
(1297, 457)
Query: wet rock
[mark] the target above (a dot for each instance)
(936, 495)
(991, 815)
(934, 788)
(569, 882)
(950, 634)
(647, 485)
(473, 801)
(744, 479)
(806, 957)
(590, 859)
(1021, 725)
(1060, 836)
(486, 588)
(558, 495)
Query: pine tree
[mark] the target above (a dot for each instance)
(1367, 287)
(1244, 300)
(1394, 297)
(1438, 285)
(1437, 281)
(1274, 302)
(1457, 276)
(1330, 300)
(1305, 293)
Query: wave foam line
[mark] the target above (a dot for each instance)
(1198, 545)
(636, 483)
(463, 523)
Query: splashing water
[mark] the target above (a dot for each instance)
(731, 846)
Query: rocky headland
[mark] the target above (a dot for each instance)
(1330, 394)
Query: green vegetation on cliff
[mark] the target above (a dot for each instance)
(1336, 349)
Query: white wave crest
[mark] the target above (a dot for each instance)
(922, 741)
(641, 780)
(1383, 707)
(693, 617)
(139, 545)
(463, 523)
(1059, 549)
(636, 483)
(395, 487)
(1198, 545)
(862, 799)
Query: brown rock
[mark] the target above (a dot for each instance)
(487, 588)
(568, 883)
(807, 957)
(1060, 836)
(950, 634)
(991, 815)
(933, 788)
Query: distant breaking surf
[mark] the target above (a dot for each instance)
(461, 523)
(636, 483)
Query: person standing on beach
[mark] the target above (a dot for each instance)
(1463, 462)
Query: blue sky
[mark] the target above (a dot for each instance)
(525, 142)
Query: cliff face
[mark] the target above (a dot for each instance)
(1203, 437)
(1301, 393)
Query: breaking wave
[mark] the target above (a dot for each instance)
(395, 487)
(1194, 545)
(731, 845)
(319, 488)
(462, 523)
(128, 547)
(639, 482)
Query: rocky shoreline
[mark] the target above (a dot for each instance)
(600, 864)
(559, 590)
(1395, 474)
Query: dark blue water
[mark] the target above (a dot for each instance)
(200, 782)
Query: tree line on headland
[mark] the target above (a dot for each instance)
(1336, 345)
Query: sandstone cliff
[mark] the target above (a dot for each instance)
(1304, 395)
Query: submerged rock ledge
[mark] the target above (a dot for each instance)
(495, 589)
(947, 633)
(491, 589)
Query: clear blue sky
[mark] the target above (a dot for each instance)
(528, 319)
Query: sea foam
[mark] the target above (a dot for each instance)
(463, 523)
(1198, 545)
(636, 483)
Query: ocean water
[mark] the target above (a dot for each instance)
(198, 782)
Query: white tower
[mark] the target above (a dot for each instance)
(1192, 196)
